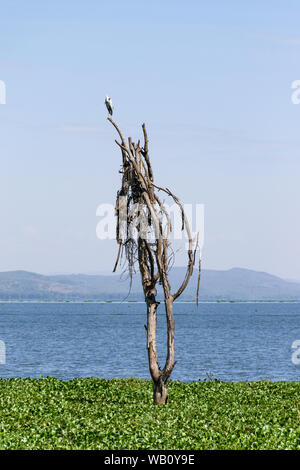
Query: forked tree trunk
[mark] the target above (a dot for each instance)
(160, 377)
(160, 393)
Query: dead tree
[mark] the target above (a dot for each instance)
(138, 206)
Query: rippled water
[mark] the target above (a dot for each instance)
(227, 341)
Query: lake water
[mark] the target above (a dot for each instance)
(227, 341)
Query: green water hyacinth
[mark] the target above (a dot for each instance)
(91, 413)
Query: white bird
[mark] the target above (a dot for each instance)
(109, 105)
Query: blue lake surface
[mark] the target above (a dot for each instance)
(226, 341)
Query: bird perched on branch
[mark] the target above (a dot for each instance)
(109, 105)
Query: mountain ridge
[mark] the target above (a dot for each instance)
(233, 284)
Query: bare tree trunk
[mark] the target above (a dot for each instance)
(170, 338)
(160, 392)
(160, 377)
(151, 339)
(154, 258)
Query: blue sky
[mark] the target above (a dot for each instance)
(212, 80)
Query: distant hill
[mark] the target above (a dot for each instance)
(234, 284)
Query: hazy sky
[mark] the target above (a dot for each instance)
(211, 79)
